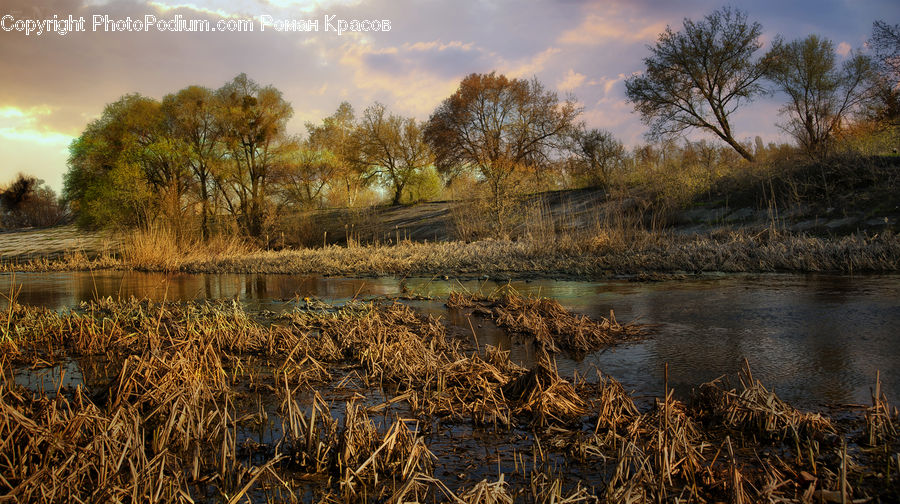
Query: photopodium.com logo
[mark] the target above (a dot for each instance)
(32, 26)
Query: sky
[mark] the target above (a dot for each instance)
(53, 85)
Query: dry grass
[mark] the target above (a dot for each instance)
(757, 411)
(547, 322)
(545, 396)
(172, 425)
(880, 429)
(595, 257)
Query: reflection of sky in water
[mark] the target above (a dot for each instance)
(814, 339)
(47, 379)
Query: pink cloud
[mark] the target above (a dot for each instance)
(571, 81)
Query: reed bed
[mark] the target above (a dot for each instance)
(757, 411)
(549, 324)
(211, 403)
(595, 257)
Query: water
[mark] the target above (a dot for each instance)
(816, 339)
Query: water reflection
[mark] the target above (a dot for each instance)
(814, 339)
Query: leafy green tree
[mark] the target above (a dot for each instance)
(106, 183)
(306, 176)
(821, 92)
(193, 114)
(252, 119)
(337, 139)
(423, 185)
(698, 77)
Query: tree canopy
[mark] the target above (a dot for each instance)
(821, 93)
(499, 127)
(699, 76)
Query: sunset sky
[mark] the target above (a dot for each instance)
(53, 85)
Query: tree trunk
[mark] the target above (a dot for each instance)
(204, 218)
(739, 148)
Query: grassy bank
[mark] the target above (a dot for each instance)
(584, 258)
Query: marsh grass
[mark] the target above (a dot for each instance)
(599, 256)
(176, 422)
(547, 322)
(757, 411)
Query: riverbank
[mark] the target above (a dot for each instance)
(596, 258)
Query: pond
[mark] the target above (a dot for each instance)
(817, 340)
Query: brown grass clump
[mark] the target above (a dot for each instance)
(612, 404)
(487, 492)
(56, 450)
(470, 386)
(551, 325)
(880, 430)
(352, 449)
(756, 410)
(545, 396)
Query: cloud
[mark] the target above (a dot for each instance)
(844, 49)
(600, 29)
(530, 66)
(413, 78)
(571, 81)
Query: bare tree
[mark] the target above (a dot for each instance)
(884, 107)
(885, 43)
(499, 127)
(698, 77)
(597, 155)
(821, 93)
(26, 202)
(392, 147)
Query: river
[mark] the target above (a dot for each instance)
(818, 340)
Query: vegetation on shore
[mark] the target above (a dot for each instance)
(355, 403)
(726, 252)
(209, 181)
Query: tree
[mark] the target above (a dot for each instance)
(253, 119)
(885, 43)
(336, 138)
(392, 147)
(307, 174)
(106, 183)
(821, 93)
(884, 108)
(152, 145)
(698, 77)
(597, 155)
(193, 113)
(28, 202)
(499, 127)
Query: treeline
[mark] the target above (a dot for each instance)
(221, 159)
(227, 152)
(26, 201)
